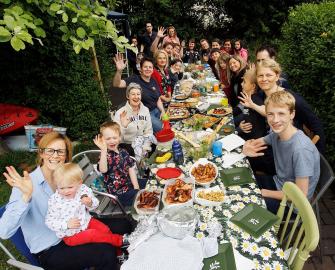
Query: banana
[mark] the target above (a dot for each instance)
(164, 158)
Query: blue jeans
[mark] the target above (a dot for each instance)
(267, 182)
(155, 120)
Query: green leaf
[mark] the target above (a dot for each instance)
(81, 32)
(27, 16)
(74, 20)
(9, 21)
(17, 29)
(38, 22)
(65, 37)
(122, 39)
(4, 32)
(64, 29)
(17, 44)
(25, 36)
(5, 38)
(5, 1)
(40, 41)
(55, 7)
(60, 11)
(18, 10)
(77, 48)
(109, 26)
(39, 32)
(30, 25)
(65, 17)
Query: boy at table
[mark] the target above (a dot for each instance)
(296, 157)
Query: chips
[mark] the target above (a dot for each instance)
(214, 196)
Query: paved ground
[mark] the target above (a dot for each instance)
(327, 211)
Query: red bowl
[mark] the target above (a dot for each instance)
(164, 135)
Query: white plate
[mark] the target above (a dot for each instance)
(203, 161)
(208, 202)
(187, 203)
(231, 142)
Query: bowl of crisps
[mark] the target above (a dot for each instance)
(213, 196)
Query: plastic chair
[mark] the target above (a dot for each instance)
(325, 180)
(19, 243)
(304, 230)
(110, 206)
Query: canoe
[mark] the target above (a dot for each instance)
(13, 117)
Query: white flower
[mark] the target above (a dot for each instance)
(245, 191)
(267, 266)
(232, 197)
(252, 185)
(203, 226)
(265, 253)
(256, 264)
(233, 242)
(246, 199)
(235, 208)
(277, 266)
(227, 213)
(280, 253)
(154, 182)
(245, 246)
(238, 197)
(254, 199)
(254, 249)
(199, 235)
(273, 242)
(267, 235)
(245, 235)
(257, 190)
(240, 205)
(218, 160)
(218, 208)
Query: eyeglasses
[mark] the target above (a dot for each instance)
(51, 151)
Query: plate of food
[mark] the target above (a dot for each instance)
(213, 196)
(219, 111)
(147, 202)
(165, 174)
(177, 113)
(181, 97)
(206, 121)
(204, 172)
(178, 192)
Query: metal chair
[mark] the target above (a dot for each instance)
(304, 230)
(110, 206)
(325, 180)
(20, 245)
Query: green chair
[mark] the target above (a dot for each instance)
(303, 235)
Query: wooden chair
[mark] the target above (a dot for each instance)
(303, 235)
(310, 134)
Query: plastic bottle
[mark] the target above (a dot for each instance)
(166, 122)
(177, 150)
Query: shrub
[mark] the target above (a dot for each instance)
(58, 82)
(307, 53)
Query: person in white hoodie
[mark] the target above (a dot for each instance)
(135, 121)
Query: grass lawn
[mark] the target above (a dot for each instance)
(21, 160)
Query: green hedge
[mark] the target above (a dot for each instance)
(58, 82)
(307, 52)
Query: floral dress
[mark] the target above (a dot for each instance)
(117, 180)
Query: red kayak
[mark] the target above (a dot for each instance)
(13, 117)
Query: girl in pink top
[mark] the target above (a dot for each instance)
(239, 50)
(171, 36)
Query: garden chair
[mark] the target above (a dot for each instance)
(303, 236)
(20, 245)
(325, 180)
(110, 206)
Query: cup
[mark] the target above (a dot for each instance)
(224, 101)
(217, 149)
(216, 87)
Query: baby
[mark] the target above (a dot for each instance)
(68, 208)
(115, 164)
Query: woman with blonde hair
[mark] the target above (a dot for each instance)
(27, 209)
(161, 75)
(268, 73)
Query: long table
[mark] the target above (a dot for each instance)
(265, 252)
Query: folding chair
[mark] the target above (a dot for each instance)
(20, 245)
(303, 236)
(325, 180)
(110, 206)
